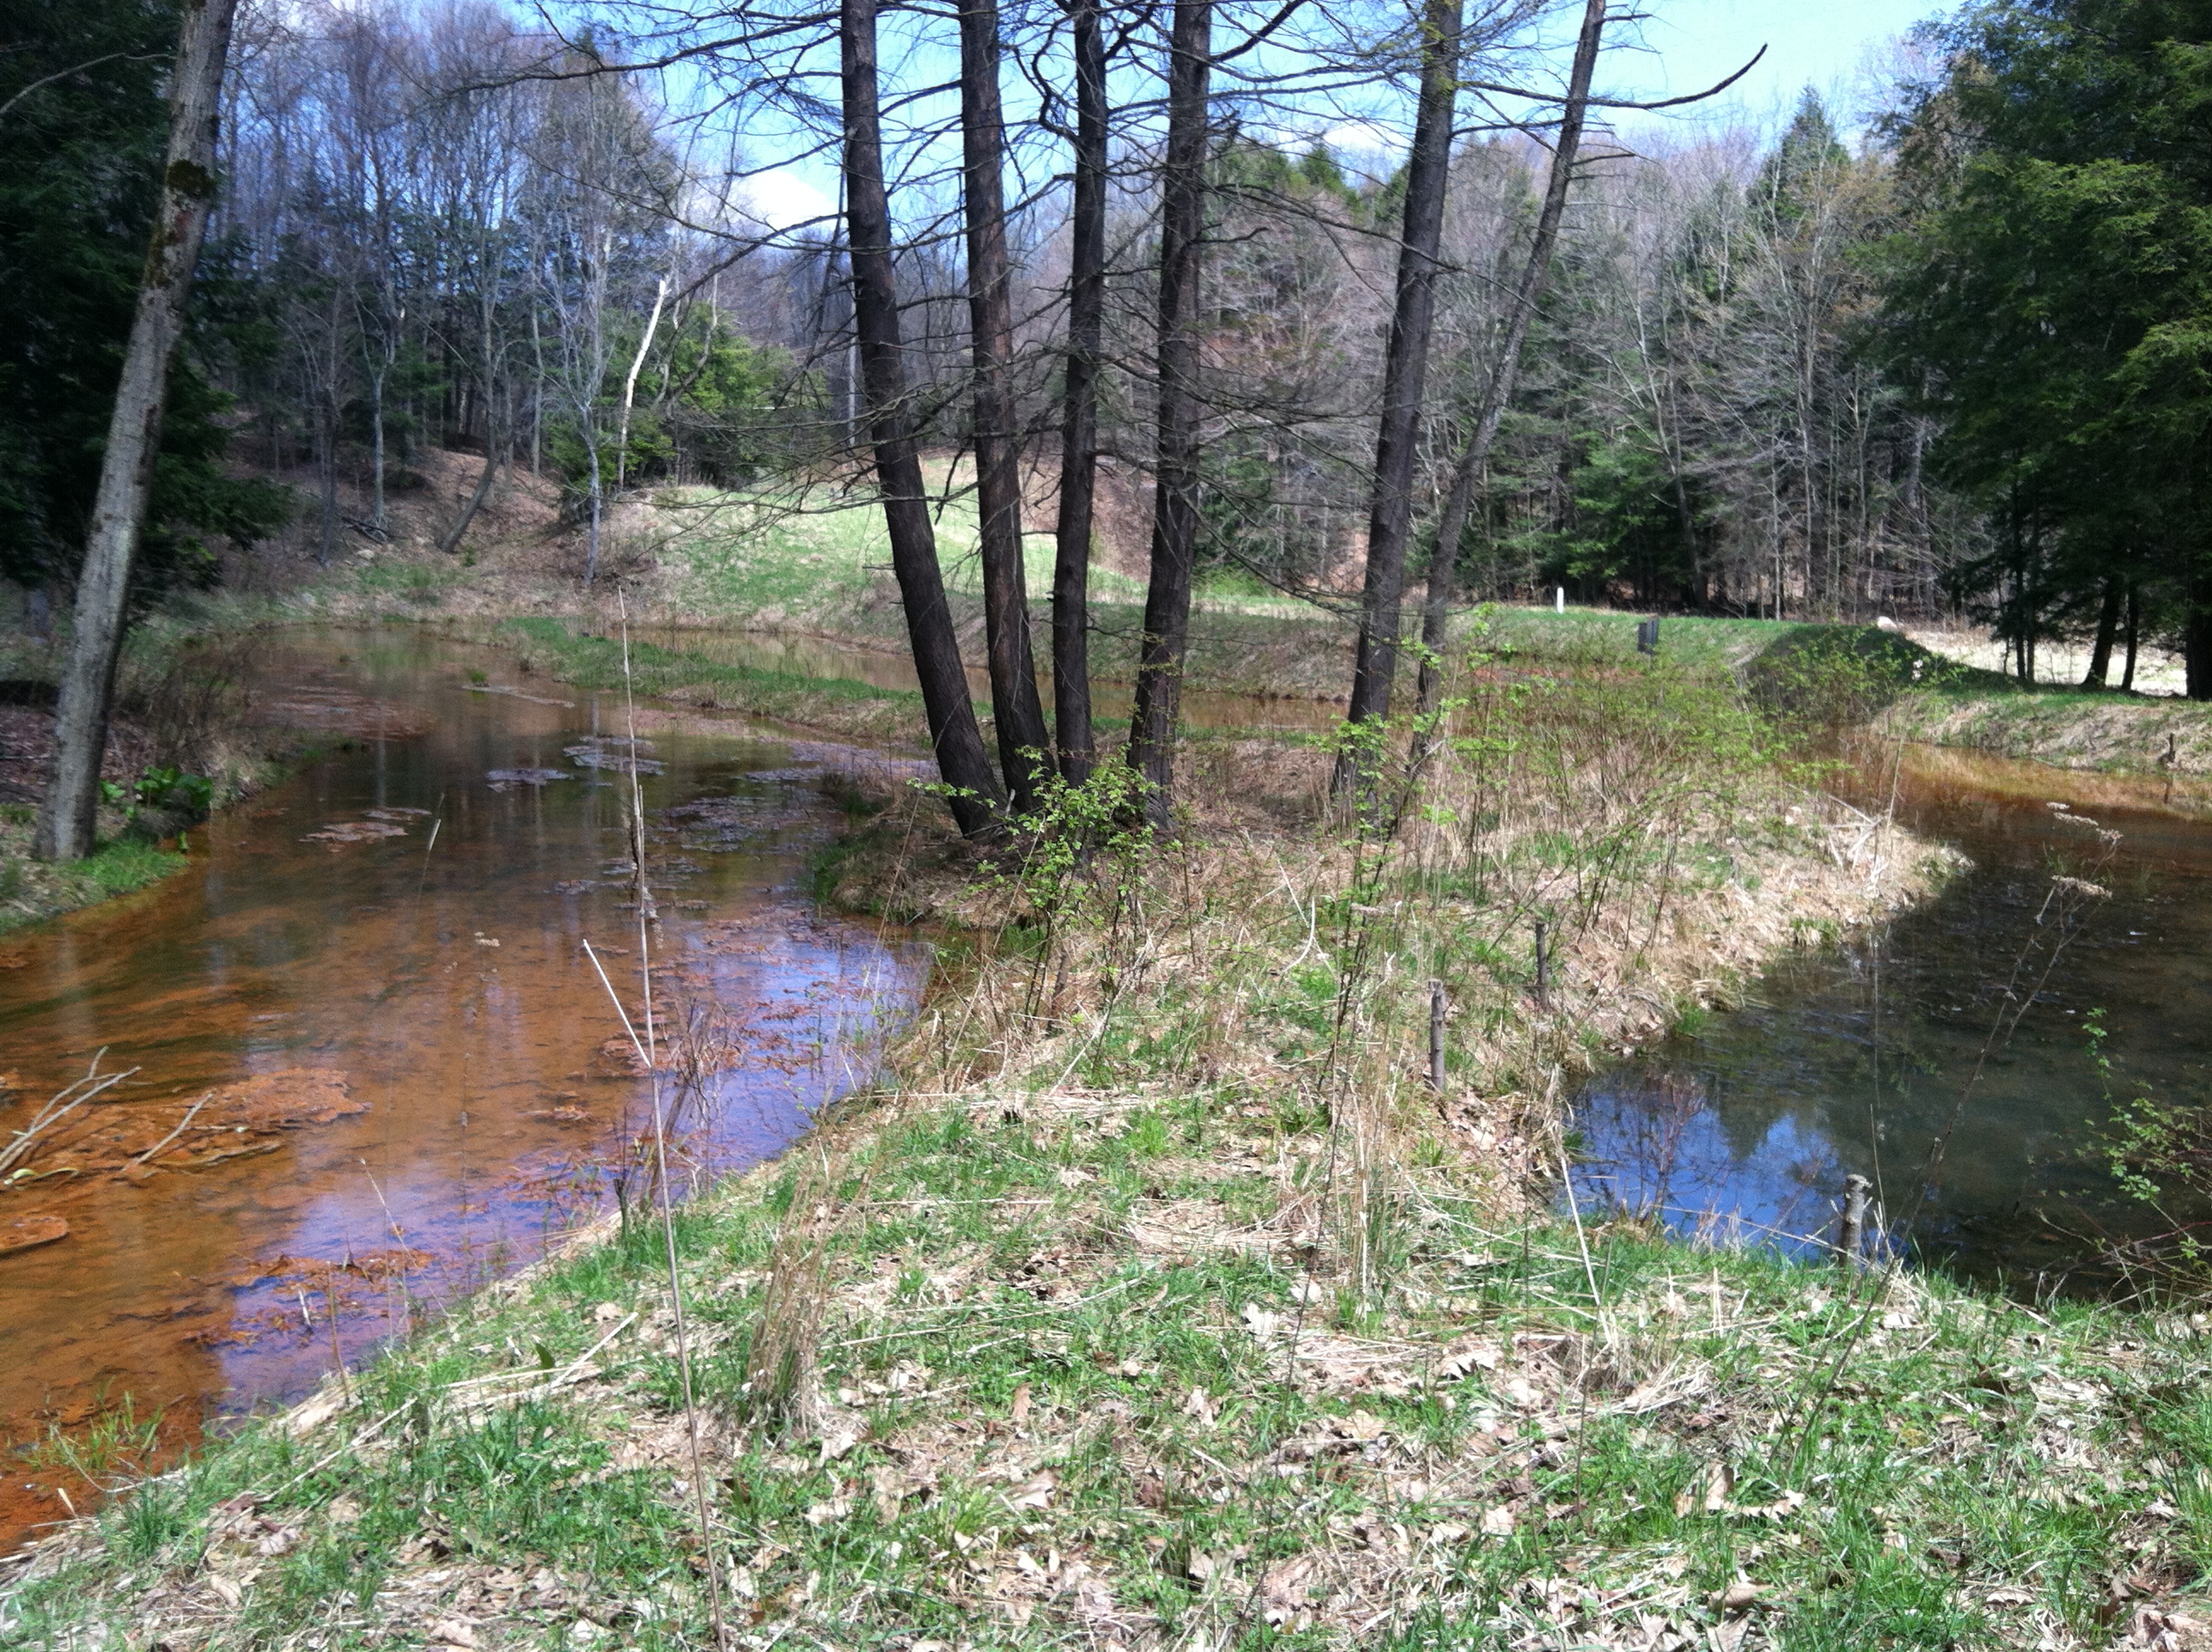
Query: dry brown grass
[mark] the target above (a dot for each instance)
(1276, 947)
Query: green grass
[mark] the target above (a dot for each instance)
(755, 557)
(32, 891)
(1518, 1443)
(888, 716)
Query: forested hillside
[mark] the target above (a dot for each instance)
(1947, 362)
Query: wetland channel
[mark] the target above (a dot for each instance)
(375, 973)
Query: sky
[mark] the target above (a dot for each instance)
(1686, 45)
(1825, 44)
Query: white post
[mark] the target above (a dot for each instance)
(1558, 599)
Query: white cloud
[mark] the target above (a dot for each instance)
(1367, 138)
(779, 199)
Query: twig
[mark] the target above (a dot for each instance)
(183, 1124)
(58, 1107)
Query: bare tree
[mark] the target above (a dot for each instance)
(1078, 449)
(972, 790)
(1166, 632)
(1535, 269)
(1404, 375)
(1024, 746)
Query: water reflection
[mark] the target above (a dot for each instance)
(1944, 1054)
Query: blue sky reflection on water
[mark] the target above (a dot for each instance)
(1960, 1022)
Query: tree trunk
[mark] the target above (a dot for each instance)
(2135, 633)
(1175, 506)
(1436, 606)
(1474, 458)
(592, 534)
(1078, 448)
(1405, 376)
(1024, 743)
(66, 825)
(955, 736)
(630, 385)
(2197, 642)
(2108, 624)
(452, 542)
(326, 443)
(376, 507)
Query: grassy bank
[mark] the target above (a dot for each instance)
(1075, 1388)
(885, 717)
(2067, 728)
(817, 565)
(182, 741)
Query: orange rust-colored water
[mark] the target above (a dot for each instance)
(444, 980)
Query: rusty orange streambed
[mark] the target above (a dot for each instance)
(375, 974)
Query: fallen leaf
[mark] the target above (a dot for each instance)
(28, 1232)
(1260, 1322)
(1738, 1596)
(1019, 1410)
(1498, 1523)
(1035, 1492)
(1201, 1407)
(1718, 1481)
(1459, 1362)
(1283, 1588)
(1362, 1426)
(453, 1631)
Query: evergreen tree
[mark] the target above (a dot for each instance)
(83, 118)
(2056, 296)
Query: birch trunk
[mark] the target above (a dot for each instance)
(630, 385)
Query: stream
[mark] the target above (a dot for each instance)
(1945, 1054)
(379, 966)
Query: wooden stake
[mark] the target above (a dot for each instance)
(1543, 967)
(1851, 1231)
(1437, 1036)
